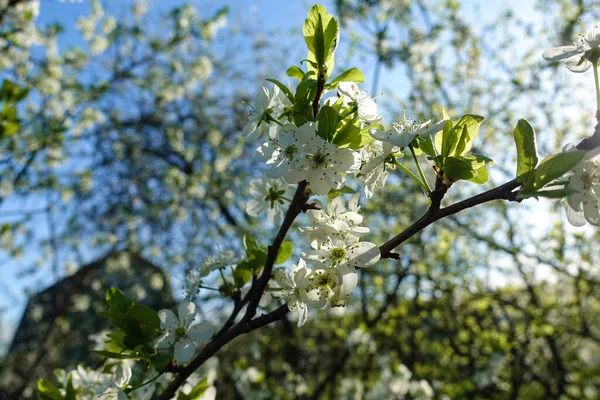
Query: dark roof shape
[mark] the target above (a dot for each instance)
(55, 329)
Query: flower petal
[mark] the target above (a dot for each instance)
(201, 332)
(186, 311)
(168, 320)
(560, 53)
(578, 64)
(302, 310)
(184, 350)
(575, 218)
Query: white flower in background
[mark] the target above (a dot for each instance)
(351, 253)
(403, 133)
(269, 195)
(421, 390)
(584, 206)
(267, 108)
(284, 151)
(89, 381)
(120, 381)
(338, 221)
(377, 160)
(220, 261)
(322, 165)
(294, 292)
(351, 389)
(180, 333)
(365, 105)
(576, 56)
(98, 45)
(194, 277)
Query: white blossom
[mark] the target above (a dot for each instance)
(90, 381)
(180, 333)
(348, 251)
(294, 290)
(334, 263)
(322, 166)
(404, 132)
(194, 277)
(269, 196)
(337, 221)
(284, 152)
(421, 390)
(377, 158)
(266, 109)
(577, 56)
(584, 205)
(331, 284)
(119, 382)
(366, 107)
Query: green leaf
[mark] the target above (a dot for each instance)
(527, 157)
(351, 75)
(364, 138)
(70, 390)
(457, 168)
(115, 343)
(135, 341)
(442, 139)
(305, 93)
(553, 167)
(9, 128)
(320, 34)
(482, 175)
(199, 389)
(458, 138)
(288, 93)
(426, 146)
(146, 317)
(328, 119)
(256, 254)
(117, 300)
(285, 252)
(550, 194)
(162, 358)
(116, 356)
(47, 391)
(242, 273)
(338, 192)
(348, 131)
(11, 92)
(295, 72)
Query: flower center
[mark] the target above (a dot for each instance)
(323, 280)
(319, 159)
(290, 152)
(180, 332)
(338, 254)
(273, 196)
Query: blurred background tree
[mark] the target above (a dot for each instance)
(128, 138)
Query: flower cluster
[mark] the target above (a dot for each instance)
(298, 154)
(337, 252)
(92, 384)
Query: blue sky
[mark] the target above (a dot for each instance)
(266, 15)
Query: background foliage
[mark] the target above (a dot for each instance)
(132, 141)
